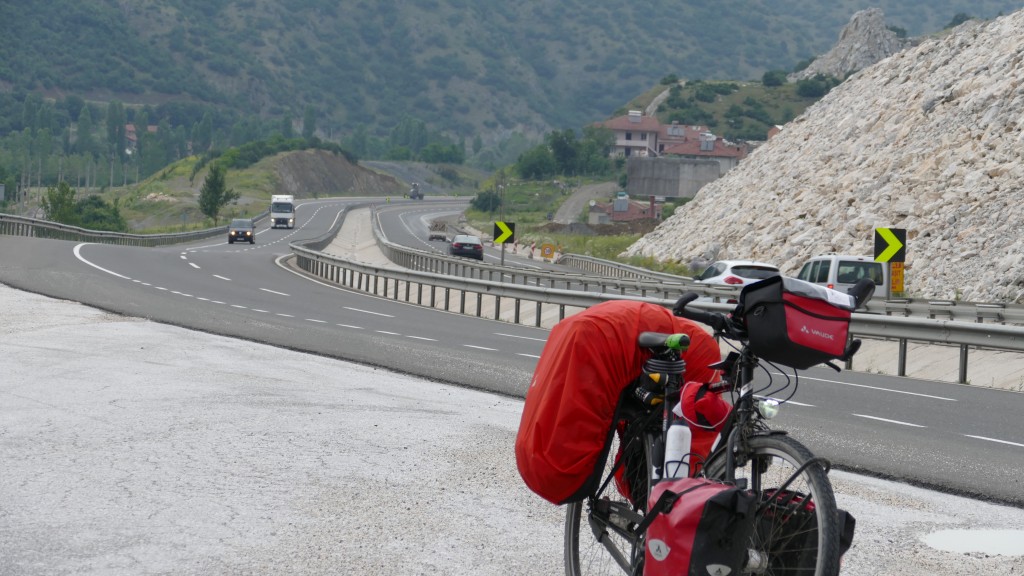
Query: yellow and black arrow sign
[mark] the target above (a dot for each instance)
(504, 232)
(890, 245)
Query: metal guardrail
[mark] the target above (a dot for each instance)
(608, 277)
(11, 225)
(453, 284)
(908, 307)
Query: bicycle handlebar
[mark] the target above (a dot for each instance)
(718, 322)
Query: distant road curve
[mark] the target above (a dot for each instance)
(571, 209)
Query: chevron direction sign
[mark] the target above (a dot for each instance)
(504, 232)
(890, 245)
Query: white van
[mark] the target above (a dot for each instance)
(841, 272)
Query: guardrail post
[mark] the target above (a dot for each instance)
(561, 312)
(537, 323)
(515, 319)
(462, 302)
(497, 307)
(963, 364)
(447, 297)
(479, 303)
(407, 283)
(901, 363)
(419, 294)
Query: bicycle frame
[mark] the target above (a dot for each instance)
(744, 416)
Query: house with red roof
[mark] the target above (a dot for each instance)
(623, 209)
(670, 160)
(131, 136)
(642, 136)
(635, 134)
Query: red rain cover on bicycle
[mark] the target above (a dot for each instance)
(588, 360)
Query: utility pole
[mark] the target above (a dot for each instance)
(501, 212)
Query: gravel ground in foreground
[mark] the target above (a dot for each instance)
(131, 447)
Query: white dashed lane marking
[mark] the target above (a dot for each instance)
(889, 421)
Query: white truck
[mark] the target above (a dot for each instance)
(282, 211)
(438, 231)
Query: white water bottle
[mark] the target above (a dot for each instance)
(677, 450)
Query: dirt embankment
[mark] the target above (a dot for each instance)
(313, 173)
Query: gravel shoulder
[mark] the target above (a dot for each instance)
(157, 450)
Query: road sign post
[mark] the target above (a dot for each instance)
(504, 232)
(891, 248)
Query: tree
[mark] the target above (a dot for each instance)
(957, 20)
(59, 204)
(536, 163)
(593, 150)
(309, 123)
(488, 201)
(95, 214)
(564, 149)
(774, 78)
(202, 135)
(214, 194)
(116, 120)
(84, 143)
(815, 87)
(287, 131)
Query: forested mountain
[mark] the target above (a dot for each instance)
(465, 68)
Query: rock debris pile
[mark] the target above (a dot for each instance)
(929, 140)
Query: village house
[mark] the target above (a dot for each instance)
(670, 160)
(622, 209)
(131, 136)
(637, 135)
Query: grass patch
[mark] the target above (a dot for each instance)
(747, 112)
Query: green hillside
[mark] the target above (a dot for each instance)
(465, 68)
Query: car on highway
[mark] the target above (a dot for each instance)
(242, 230)
(736, 272)
(466, 245)
(841, 272)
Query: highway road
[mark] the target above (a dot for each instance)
(957, 438)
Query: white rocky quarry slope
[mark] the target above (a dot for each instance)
(929, 140)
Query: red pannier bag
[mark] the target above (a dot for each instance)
(697, 526)
(589, 359)
(795, 323)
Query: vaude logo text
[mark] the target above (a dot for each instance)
(818, 333)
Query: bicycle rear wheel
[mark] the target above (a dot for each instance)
(796, 531)
(597, 537)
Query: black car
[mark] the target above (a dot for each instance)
(243, 230)
(465, 245)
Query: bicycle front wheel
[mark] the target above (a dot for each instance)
(598, 537)
(796, 530)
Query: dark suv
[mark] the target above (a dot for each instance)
(243, 230)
